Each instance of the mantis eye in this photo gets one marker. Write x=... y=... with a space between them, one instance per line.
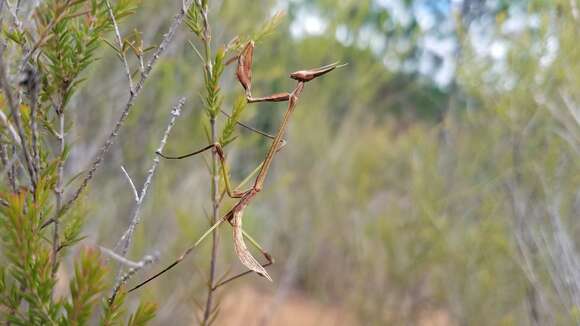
x=310 y=74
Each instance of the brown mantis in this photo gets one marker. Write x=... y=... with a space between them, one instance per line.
x=234 y=216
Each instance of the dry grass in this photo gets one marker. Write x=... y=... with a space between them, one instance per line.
x=254 y=307
x=250 y=306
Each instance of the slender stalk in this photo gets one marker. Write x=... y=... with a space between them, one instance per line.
x=8 y=166
x=59 y=191
x=1 y=10
x=61 y=10
x=17 y=121
x=33 y=89
x=14 y=167
x=214 y=188
x=125 y=242
x=126 y=239
x=13 y=132
x=147 y=260
x=214 y=216
x=120 y=43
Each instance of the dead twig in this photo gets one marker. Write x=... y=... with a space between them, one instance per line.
x=124 y=243
x=120 y=43
x=136 y=266
x=125 y=240
x=17 y=120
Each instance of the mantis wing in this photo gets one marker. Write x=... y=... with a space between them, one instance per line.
x=240 y=246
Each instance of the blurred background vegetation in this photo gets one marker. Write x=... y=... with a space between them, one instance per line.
x=435 y=180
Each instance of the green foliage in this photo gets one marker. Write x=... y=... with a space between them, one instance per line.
x=227 y=135
x=194 y=20
x=69 y=35
x=54 y=50
x=28 y=256
x=268 y=27
x=213 y=98
x=145 y=312
x=15 y=36
x=85 y=288
x=113 y=312
x=72 y=231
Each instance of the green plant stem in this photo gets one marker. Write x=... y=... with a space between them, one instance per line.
x=214 y=189
x=214 y=234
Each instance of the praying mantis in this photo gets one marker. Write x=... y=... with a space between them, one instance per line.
x=235 y=214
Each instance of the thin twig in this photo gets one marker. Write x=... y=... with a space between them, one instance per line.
x=197 y=52
x=14 y=13
x=147 y=260
x=17 y=9
x=2 y=10
x=133 y=189
x=125 y=240
x=214 y=189
x=3 y=44
x=120 y=259
x=17 y=120
x=32 y=84
x=10 y=128
x=120 y=41
x=59 y=189
x=7 y=163
x=44 y=34
x=167 y=39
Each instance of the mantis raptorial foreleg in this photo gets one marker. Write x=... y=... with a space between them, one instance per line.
x=232 y=193
x=218 y=149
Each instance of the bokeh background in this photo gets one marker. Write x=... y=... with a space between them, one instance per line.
x=435 y=180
